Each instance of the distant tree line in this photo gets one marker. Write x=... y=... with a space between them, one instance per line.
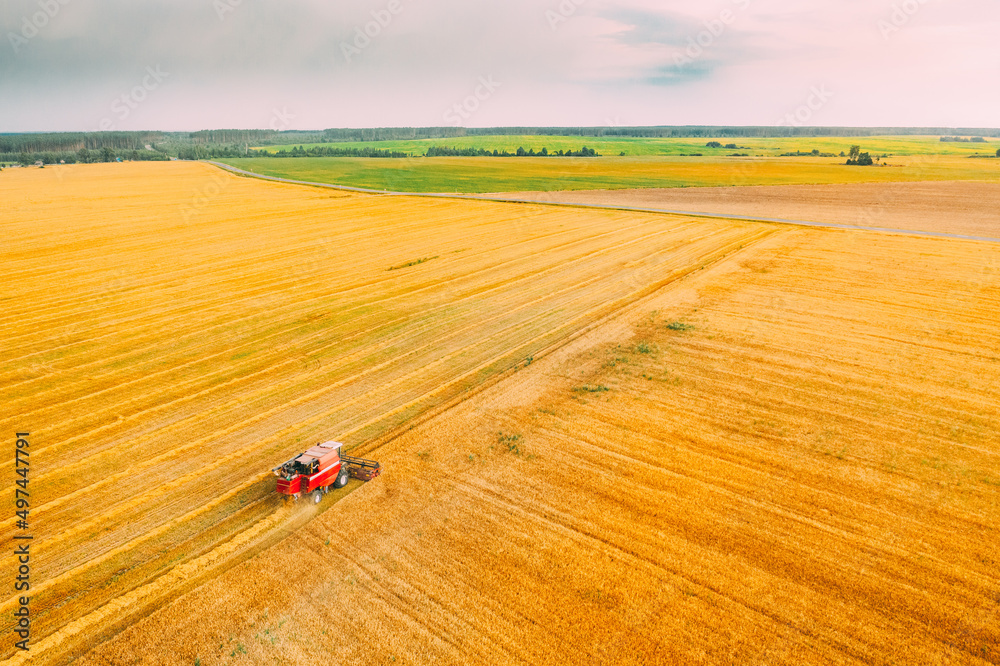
x=385 y=134
x=251 y=137
x=330 y=151
x=63 y=142
x=82 y=156
x=813 y=153
x=172 y=142
x=707 y=132
x=200 y=152
x=57 y=147
x=440 y=151
x=217 y=152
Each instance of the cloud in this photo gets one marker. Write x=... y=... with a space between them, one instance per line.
x=679 y=47
x=635 y=59
x=100 y=40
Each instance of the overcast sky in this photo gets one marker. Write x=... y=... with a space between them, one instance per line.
x=313 y=64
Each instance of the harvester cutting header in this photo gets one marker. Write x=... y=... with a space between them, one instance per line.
x=320 y=468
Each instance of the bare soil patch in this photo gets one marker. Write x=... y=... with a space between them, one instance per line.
x=958 y=207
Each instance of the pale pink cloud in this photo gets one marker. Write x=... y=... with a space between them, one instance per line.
x=555 y=62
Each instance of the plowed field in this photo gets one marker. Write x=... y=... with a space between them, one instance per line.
x=790 y=457
x=171 y=332
x=958 y=207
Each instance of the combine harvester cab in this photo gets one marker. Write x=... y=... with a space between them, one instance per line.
x=319 y=468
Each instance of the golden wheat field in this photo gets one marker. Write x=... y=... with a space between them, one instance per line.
x=171 y=332
x=790 y=457
x=608 y=436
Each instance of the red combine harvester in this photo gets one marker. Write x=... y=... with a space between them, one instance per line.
x=319 y=468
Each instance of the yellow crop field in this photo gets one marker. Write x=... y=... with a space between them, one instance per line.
x=477 y=174
x=790 y=457
x=171 y=332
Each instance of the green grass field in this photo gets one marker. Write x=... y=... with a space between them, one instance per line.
x=487 y=174
x=639 y=147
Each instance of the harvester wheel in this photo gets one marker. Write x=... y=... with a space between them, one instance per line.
x=317 y=496
x=342 y=478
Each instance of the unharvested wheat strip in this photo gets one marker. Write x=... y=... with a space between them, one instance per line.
x=173 y=453
x=202 y=378
x=105 y=359
x=86 y=525
x=615 y=306
x=88 y=273
x=529 y=240
x=211 y=263
x=477 y=324
x=237 y=454
x=577 y=285
x=154 y=230
x=188 y=307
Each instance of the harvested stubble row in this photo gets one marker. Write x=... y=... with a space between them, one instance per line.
x=795 y=460
x=172 y=332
